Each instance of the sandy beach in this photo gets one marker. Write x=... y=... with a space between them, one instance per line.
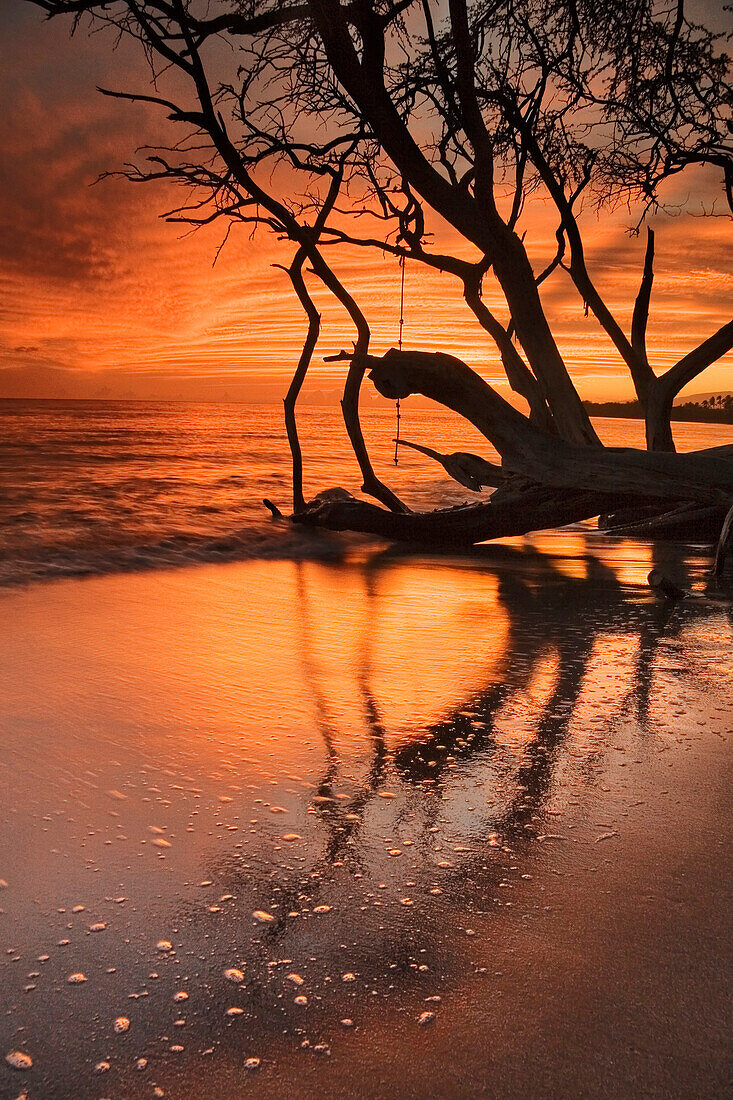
x=388 y=826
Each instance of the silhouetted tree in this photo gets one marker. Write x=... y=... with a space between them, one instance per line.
x=399 y=111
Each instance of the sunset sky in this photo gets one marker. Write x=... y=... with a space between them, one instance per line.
x=102 y=298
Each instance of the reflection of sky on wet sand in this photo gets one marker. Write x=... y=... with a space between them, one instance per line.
x=412 y=744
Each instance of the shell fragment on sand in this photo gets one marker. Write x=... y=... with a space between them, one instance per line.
x=262 y=917
x=18 y=1059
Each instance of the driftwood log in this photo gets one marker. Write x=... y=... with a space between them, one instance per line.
x=545 y=481
x=533 y=508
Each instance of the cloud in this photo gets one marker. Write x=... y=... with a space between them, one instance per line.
x=55 y=223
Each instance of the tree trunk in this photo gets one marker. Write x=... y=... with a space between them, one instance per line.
x=704 y=476
x=658 y=417
x=554 y=482
x=295 y=271
x=687 y=522
x=362 y=77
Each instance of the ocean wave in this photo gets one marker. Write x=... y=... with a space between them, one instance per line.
x=274 y=539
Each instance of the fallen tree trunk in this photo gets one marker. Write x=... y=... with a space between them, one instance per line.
x=688 y=522
x=547 y=482
x=531 y=509
x=704 y=476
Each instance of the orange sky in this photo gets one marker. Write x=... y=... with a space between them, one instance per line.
x=99 y=297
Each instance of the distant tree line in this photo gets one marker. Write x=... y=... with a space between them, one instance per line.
x=716 y=409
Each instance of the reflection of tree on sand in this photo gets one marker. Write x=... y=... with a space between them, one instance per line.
x=342 y=819
x=337 y=895
x=470 y=732
x=564 y=614
x=550 y=614
x=309 y=669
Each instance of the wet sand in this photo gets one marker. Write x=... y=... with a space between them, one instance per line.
x=503 y=782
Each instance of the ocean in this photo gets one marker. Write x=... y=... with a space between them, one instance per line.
x=94 y=487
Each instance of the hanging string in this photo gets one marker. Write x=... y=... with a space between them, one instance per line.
x=402 y=301
x=399 y=345
x=397 y=437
